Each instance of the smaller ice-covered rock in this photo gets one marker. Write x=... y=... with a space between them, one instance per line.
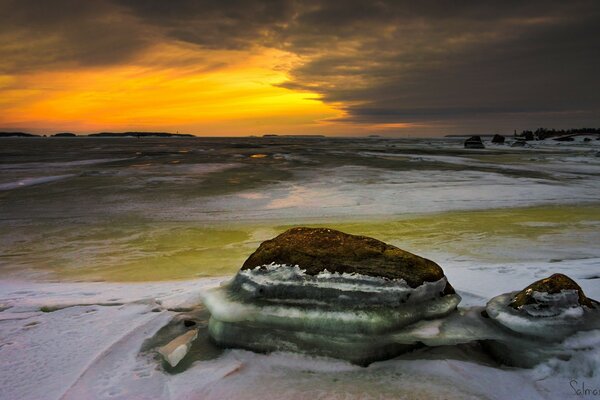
x=551 y=308
x=539 y=318
x=176 y=349
x=553 y=293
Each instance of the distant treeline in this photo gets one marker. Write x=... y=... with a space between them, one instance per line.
x=139 y=134
x=543 y=133
x=17 y=134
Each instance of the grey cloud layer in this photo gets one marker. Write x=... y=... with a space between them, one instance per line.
x=459 y=63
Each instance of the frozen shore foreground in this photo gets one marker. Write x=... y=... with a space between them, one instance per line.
x=90 y=346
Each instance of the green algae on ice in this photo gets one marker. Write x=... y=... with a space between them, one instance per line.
x=141 y=250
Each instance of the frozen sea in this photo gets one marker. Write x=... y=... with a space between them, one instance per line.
x=104 y=241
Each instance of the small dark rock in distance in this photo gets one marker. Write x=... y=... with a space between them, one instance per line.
x=498 y=139
x=474 y=142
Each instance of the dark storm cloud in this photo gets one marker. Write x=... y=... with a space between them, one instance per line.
x=382 y=61
x=230 y=24
x=514 y=61
x=428 y=61
x=47 y=34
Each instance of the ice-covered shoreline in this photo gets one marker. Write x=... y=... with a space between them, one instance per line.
x=90 y=346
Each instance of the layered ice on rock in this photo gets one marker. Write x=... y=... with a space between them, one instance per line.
x=355 y=307
x=540 y=319
x=348 y=316
x=553 y=322
x=283 y=283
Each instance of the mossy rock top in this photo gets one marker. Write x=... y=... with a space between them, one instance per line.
x=551 y=285
x=317 y=249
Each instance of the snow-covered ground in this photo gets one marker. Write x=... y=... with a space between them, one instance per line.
x=89 y=346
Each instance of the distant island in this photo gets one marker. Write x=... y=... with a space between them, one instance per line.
x=538 y=134
x=139 y=134
x=17 y=134
x=270 y=135
x=99 y=134
x=64 y=134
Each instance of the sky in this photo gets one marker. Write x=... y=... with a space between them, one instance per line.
x=346 y=68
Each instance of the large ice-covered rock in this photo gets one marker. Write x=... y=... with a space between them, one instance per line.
x=540 y=318
x=325 y=292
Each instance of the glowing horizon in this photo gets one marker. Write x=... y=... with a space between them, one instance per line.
x=297 y=67
x=237 y=93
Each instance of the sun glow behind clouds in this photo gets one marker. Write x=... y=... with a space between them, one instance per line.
x=170 y=87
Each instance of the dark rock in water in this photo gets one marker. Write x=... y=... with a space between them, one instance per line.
x=474 y=142
x=317 y=249
x=554 y=284
x=587 y=139
x=498 y=139
x=324 y=292
x=518 y=143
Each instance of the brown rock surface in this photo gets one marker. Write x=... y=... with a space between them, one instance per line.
x=553 y=284
x=319 y=249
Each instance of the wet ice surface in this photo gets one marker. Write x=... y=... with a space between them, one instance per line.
x=278 y=283
x=176 y=204
x=136 y=210
x=219 y=180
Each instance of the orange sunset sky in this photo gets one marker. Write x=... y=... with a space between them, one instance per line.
x=298 y=67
